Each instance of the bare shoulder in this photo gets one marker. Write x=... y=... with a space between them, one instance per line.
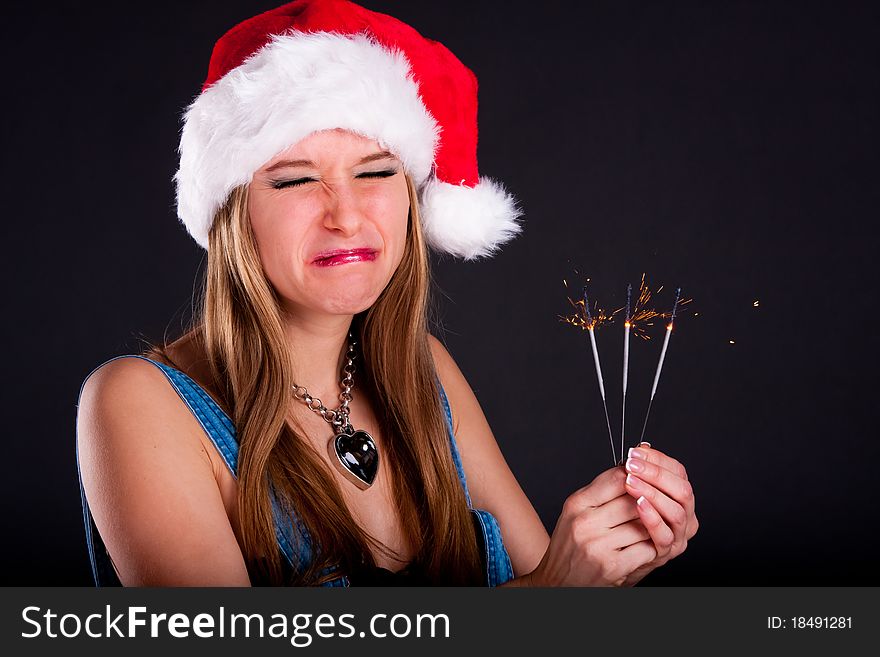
x=120 y=381
x=149 y=481
x=127 y=403
x=491 y=483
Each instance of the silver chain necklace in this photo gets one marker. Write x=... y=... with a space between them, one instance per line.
x=352 y=451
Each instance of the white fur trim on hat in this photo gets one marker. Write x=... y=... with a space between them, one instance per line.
x=299 y=83
x=468 y=222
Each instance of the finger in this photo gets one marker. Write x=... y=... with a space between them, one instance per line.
x=673 y=513
x=636 y=555
x=627 y=534
x=661 y=534
x=617 y=511
x=670 y=483
x=644 y=451
x=686 y=497
x=604 y=488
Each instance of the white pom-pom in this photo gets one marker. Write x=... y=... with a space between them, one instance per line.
x=468 y=222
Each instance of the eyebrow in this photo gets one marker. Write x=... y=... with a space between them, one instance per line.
x=281 y=164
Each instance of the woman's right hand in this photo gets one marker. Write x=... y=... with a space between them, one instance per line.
x=599 y=538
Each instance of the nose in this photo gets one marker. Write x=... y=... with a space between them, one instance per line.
x=344 y=212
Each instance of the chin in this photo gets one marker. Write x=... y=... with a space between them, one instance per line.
x=350 y=301
x=343 y=290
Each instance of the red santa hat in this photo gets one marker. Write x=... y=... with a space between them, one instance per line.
x=313 y=65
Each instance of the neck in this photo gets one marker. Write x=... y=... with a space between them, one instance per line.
x=318 y=347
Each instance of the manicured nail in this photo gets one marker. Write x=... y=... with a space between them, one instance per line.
x=634 y=453
x=633 y=482
x=645 y=443
x=635 y=465
x=641 y=501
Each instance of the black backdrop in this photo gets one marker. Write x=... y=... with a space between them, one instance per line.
x=729 y=148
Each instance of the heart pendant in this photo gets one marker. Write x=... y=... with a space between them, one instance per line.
x=355 y=455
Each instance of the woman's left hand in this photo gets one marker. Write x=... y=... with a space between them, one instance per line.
x=668 y=508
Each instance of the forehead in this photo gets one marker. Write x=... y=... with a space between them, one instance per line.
x=328 y=147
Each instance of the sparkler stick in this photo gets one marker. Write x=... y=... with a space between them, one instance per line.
x=662 y=357
x=626 y=325
x=592 y=325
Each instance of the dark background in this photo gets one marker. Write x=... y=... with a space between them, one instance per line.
x=729 y=148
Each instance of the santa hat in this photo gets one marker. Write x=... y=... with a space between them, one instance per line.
x=315 y=65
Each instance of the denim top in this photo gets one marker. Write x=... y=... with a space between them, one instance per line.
x=220 y=430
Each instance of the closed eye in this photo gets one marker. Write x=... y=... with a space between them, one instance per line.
x=283 y=184
x=378 y=174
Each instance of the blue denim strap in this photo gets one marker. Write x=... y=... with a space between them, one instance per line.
x=498 y=567
x=102 y=568
x=456 y=458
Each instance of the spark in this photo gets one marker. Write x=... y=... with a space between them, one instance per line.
x=641 y=315
x=586 y=319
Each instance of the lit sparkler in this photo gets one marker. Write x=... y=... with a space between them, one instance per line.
x=591 y=326
x=589 y=319
x=662 y=358
x=627 y=326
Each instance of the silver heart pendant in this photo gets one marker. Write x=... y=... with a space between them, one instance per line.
x=355 y=455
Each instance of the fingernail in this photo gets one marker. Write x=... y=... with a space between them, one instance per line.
x=641 y=501
x=645 y=443
x=635 y=453
x=633 y=482
x=635 y=465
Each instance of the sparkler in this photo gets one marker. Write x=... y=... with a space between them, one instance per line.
x=591 y=326
x=662 y=357
x=638 y=316
x=627 y=325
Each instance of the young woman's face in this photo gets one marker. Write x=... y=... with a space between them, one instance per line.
x=329 y=215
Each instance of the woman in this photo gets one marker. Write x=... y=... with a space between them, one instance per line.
x=330 y=145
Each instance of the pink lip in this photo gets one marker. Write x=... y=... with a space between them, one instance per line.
x=344 y=256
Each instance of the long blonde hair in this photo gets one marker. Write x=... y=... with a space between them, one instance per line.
x=239 y=328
